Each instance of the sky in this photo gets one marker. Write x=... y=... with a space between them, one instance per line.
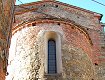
x=86 y=4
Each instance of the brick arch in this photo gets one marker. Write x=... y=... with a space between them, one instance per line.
x=33 y=23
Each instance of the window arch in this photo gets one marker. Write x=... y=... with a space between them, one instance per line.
x=52 y=66
x=52 y=42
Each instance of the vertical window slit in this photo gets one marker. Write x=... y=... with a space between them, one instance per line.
x=52 y=67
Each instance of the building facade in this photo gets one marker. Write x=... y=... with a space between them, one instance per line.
x=52 y=40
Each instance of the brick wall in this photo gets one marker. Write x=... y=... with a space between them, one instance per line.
x=80 y=29
x=6 y=14
x=29 y=41
x=86 y=20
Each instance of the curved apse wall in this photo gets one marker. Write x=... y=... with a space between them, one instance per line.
x=27 y=55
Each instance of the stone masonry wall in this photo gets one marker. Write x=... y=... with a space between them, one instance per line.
x=26 y=56
x=23 y=58
x=100 y=68
x=82 y=58
x=59 y=11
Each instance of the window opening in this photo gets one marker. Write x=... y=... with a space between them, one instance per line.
x=52 y=67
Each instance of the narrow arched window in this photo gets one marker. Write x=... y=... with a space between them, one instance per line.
x=52 y=66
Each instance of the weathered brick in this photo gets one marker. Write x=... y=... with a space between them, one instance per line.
x=82 y=44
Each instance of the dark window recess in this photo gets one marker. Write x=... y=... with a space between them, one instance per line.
x=52 y=68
